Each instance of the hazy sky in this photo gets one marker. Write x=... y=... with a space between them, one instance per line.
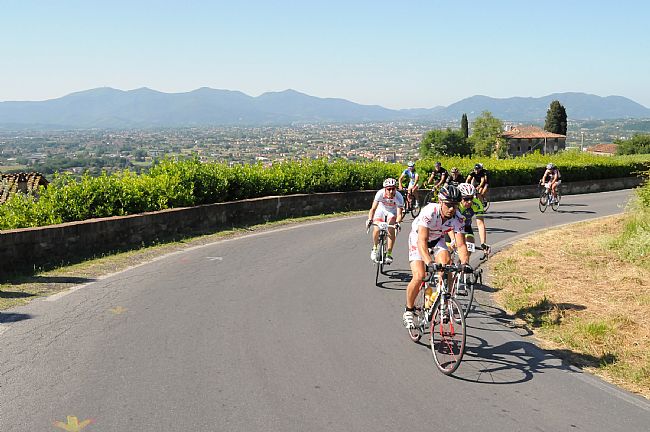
x=398 y=54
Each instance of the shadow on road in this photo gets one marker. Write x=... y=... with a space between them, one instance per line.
x=47 y=280
x=13 y=317
x=397 y=280
x=504 y=217
x=499 y=230
x=574 y=211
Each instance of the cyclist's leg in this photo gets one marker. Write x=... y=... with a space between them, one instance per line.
x=417 y=269
x=391 y=232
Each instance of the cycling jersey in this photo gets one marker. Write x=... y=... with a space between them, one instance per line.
x=550 y=174
x=477 y=209
x=476 y=177
x=431 y=217
x=411 y=175
x=455 y=180
x=387 y=207
x=437 y=175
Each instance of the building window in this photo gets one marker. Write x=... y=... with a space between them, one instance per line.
x=530 y=140
x=556 y=140
x=528 y=148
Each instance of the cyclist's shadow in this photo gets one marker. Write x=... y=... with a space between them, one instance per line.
x=396 y=280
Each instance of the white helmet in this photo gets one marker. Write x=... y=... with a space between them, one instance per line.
x=466 y=189
x=550 y=166
x=410 y=164
x=390 y=182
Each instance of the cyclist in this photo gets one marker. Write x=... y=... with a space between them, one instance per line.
x=439 y=175
x=428 y=230
x=470 y=206
x=413 y=177
x=455 y=177
x=387 y=206
x=480 y=179
x=551 y=178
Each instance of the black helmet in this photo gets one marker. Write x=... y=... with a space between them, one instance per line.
x=437 y=164
x=478 y=166
x=449 y=194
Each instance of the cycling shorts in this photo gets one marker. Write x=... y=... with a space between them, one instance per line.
x=414 y=253
x=382 y=214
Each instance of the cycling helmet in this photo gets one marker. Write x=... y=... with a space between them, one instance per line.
x=466 y=189
x=390 y=182
x=550 y=166
x=411 y=164
x=454 y=170
x=438 y=164
x=449 y=194
x=478 y=166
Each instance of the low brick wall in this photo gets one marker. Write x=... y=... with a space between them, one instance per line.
x=56 y=244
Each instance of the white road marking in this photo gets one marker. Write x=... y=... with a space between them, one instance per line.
x=215 y=258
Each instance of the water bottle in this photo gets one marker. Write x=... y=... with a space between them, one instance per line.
x=428 y=297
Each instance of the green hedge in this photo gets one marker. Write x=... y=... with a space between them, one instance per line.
x=181 y=183
x=574 y=166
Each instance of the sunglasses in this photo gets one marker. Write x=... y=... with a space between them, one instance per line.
x=450 y=204
x=390 y=189
x=468 y=199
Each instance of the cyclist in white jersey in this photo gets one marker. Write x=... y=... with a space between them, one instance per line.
x=387 y=206
x=428 y=231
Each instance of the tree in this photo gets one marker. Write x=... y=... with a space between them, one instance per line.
x=486 y=135
x=556 y=118
x=464 y=126
x=444 y=143
x=638 y=144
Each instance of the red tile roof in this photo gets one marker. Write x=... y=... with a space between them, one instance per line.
x=603 y=148
x=529 y=132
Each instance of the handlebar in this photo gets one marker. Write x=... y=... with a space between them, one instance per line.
x=379 y=226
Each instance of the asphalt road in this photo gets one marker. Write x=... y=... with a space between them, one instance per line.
x=286 y=331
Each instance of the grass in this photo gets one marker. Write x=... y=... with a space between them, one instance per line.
x=21 y=289
x=584 y=294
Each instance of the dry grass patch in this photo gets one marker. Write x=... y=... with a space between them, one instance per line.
x=579 y=297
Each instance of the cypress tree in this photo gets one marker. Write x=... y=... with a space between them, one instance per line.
x=556 y=118
x=464 y=126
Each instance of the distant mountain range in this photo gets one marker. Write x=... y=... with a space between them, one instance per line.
x=146 y=108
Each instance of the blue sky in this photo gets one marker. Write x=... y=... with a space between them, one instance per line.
x=398 y=54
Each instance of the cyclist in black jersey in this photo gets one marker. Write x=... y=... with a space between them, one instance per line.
x=455 y=177
x=480 y=179
x=439 y=175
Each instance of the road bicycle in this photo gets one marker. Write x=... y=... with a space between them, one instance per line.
x=410 y=205
x=466 y=282
x=382 y=246
x=436 y=308
x=431 y=196
x=546 y=198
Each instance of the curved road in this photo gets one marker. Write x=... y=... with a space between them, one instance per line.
x=286 y=331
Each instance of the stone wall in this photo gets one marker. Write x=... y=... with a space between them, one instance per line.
x=31 y=248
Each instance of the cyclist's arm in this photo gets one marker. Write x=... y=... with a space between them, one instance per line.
x=461 y=246
x=423 y=248
x=416 y=179
x=469 y=179
x=373 y=209
x=541 y=181
x=482 y=232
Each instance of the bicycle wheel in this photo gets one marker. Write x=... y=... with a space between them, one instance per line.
x=556 y=203
x=486 y=203
x=464 y=291
x=448 y=335
x=415 y=209
x=428 y=198
x=543 y=201
x=418 y=317
x=380 y=260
